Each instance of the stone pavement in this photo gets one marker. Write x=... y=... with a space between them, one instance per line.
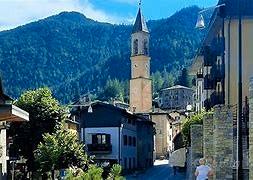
x=161 y=170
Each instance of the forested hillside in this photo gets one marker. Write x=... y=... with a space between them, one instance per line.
x=72 y=54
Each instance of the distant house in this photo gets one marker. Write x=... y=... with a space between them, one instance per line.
x=163 y=136
x=176 y=97
x=168 y=125
x=8 y=113
x=115 y=135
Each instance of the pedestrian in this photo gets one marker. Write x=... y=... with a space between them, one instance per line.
x=203 y=171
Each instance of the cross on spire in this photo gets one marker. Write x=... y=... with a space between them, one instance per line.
x=140 y=3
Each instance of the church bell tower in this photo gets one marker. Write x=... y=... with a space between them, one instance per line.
x=140 y=83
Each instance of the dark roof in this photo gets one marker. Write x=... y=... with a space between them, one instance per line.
x=126 y=112
x=232 y=7
x=140 y=23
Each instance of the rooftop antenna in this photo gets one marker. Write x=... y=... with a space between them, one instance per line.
x=139 y=3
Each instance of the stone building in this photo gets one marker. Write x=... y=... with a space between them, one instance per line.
x=176 y=97
x=168 y=131
x=140 y=83
x=163 y=137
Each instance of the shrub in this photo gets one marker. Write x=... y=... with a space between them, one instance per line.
x=115 y=173
x=186 y=127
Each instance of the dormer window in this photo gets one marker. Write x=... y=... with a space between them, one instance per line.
x=135 y=48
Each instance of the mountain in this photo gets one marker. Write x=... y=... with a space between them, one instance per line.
x=72 y=54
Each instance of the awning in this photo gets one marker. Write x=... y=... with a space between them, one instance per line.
x=9 y=112
x=178 y=158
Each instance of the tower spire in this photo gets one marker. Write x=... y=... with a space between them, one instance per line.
x=140 y=23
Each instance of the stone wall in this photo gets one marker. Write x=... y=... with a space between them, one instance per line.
x=251 y=129
x=208 y=129
x=208 y=140
x=196 y=147
x=214 y=141
x=223 y=143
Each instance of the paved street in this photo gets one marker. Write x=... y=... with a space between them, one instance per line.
x=161 y=171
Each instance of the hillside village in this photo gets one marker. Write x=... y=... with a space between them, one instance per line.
x=206 y=116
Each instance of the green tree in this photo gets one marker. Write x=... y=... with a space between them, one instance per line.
x=168 y=79
x=113 y=90
x=44 y=113
x=184 y=79
x=157 y=81
x=60 y=150
x=194 y=119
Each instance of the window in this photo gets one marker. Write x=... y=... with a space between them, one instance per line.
x=134 y=122
x=101 y=139
x=130 y=141
x=130 y=164
x=134 y=163
x=125 y=140
x=145 y=47
x=125 y=163
x=135 y=46
x=134 y=141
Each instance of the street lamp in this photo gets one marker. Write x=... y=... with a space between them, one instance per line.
x=201 y=22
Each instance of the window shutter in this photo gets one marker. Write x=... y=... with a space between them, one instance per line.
x=108 y=138
x=94 y=139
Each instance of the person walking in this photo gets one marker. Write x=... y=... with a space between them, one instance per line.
x=203 y=171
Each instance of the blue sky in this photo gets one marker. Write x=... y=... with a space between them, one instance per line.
x=14 y=13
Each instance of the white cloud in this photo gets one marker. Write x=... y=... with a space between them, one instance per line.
x=18 y=12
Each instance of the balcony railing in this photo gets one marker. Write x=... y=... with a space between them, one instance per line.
x=100 y=148
x=208 y=82
x=209 y=56
x=219 y=46
x=217 y=98
x=217 y=73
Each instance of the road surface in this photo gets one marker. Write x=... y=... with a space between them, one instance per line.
x=161 y=170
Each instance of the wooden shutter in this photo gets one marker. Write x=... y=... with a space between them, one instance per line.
x=108 y=138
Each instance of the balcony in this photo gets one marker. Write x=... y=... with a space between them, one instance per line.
x=209 y=56
x=199 y=75
x=219 y=46
x=99 y=148
x=217 y=73
x=208 y=82
x=217 y=98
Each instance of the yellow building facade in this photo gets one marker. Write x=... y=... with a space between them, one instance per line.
x=231 y=58
x=217 y=61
